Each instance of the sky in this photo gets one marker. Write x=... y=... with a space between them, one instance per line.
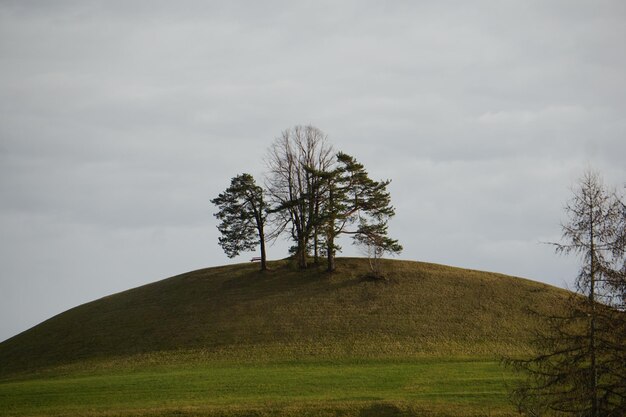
x=121 y=120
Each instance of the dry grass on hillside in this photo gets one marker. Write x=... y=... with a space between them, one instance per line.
x=237 y=313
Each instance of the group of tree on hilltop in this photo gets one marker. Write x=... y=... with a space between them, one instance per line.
x=313 y=195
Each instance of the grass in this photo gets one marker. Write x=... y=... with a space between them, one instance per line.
x=438 y=387
x=232 y=341
x=235 y=312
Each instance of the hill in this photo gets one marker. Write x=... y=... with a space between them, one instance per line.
x=237 y=313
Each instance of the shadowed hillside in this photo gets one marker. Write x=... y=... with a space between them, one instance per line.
x=235 y=312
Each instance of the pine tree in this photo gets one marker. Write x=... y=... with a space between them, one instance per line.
x=356 y=205
x=242 y=212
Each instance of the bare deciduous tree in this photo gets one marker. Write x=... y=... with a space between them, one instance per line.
x=294 y=188
x=374 y=242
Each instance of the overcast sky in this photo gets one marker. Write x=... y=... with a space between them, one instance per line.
x=119 y=121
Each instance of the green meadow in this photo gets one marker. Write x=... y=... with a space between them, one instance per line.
x=443 y=387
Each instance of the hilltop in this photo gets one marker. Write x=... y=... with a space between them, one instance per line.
x=238 y=313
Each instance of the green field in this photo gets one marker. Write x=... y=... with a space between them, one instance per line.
x=441 y=387
x=231 y=341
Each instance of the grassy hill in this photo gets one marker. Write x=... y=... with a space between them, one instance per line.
x=236 y=313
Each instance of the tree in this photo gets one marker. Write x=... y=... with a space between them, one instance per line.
x=375 y=242
x=562 y=380
x=595 y=232
x=352 y=199
x=581 y=366
x=617 y=271
x=294 y=189
x=242 y=212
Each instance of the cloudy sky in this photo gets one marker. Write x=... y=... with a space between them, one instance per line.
x=120 y=120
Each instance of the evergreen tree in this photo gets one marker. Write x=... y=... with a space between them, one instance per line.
x=355 y=204
x=242 y=212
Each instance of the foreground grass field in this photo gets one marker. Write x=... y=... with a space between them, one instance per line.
x=430 y=387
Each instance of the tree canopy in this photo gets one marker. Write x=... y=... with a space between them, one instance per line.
x=242 y=214
x=314 y=195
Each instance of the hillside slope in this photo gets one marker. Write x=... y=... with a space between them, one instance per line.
x=236 y=312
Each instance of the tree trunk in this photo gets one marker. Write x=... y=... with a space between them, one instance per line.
x=330 y=238
x=263 y=253
x=315 y=246
x=592 y=330
x=301 y=253
x=331 y=253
